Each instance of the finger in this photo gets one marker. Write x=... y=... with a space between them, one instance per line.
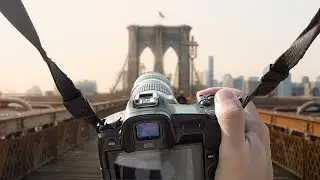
x=252 y=117
x=208 y=91
x=230 y=116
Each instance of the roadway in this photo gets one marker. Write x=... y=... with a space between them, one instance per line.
x=82 y=163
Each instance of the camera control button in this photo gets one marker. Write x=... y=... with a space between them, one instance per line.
x=205 y=102
x=211 y=156
x=212 y=172
x=115 y=124
x=111 y=143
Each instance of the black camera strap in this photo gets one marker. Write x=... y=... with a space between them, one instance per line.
x=17 y=15
x=73 y=99
x=279 y=71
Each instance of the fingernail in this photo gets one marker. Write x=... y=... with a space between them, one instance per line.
x=225 y=95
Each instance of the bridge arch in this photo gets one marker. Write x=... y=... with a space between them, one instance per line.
x=170 y=63
x=159 y=39
x=146 y=62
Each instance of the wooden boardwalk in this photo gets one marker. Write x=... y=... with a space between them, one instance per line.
x=82 y=163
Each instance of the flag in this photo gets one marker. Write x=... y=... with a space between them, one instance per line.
x=161 y=15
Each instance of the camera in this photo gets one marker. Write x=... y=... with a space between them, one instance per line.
x=155 y=137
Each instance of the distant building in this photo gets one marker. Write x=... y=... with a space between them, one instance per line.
x=252 y=83
x=245 y=87
x=297 y=89
x=215 y=83
x=227 y=81
x=305 y=79
x=285 y=87
x=307 y=89
x=316 y=87
x=315 y=91
x=210 y=72
x=238 y=83
x=204 y=78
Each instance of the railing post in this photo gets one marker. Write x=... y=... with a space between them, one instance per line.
x=305 y=159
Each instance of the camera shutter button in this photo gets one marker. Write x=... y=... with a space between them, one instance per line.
x=115 y=123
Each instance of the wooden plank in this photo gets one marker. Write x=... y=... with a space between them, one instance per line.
x=82 y=163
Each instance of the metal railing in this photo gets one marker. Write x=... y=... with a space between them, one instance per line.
x=32 y=139
x=295 y=143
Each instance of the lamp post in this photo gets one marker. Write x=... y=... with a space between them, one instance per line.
x=193 y=46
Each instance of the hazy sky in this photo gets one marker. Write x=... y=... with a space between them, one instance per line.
x=89 y=39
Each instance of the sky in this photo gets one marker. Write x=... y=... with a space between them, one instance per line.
x=89 y=39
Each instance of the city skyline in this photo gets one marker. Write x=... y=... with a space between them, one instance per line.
x=304 y=87
x=242 y=37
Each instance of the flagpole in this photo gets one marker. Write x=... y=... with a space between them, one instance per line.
x=161 y=17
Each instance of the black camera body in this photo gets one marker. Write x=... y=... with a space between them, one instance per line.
x=154 y=123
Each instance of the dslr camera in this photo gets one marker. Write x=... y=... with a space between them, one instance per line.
x=157 y=138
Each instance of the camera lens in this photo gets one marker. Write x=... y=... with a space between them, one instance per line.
x=151 y=75
x=152 y=81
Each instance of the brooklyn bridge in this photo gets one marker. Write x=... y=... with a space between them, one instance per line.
x=40 y=139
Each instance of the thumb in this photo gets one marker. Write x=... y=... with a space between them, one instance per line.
x=230 y=116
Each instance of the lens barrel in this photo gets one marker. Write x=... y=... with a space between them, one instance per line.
x=152 y=81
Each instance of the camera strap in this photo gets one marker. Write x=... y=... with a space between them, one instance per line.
x=72 y=98
x=275 y=73
x=17 y=15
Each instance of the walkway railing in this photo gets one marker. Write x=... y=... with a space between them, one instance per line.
x=31 y=140
x=295 y=143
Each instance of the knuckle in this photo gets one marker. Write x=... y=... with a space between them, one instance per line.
x=232 y=110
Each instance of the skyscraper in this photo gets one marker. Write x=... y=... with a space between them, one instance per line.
x=252 y=83
x=203 y=76
x=227 y=81
x=238 y=83
x=285 y=87
x=297 y=89
x=210 y=72
x=305 y=79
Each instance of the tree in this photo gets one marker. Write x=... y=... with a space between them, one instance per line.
x=49 y=93
x=87 y=86
x=34 y=91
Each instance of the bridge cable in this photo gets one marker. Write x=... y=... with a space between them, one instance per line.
x=121 y=74
x=73 y=100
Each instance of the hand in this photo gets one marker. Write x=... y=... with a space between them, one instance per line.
x=244 y=152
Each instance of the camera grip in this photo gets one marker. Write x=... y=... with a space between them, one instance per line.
x=212 y=135
x=212 y=141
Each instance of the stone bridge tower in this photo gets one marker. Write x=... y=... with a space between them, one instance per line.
x=159 y=38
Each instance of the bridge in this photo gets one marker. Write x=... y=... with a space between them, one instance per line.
x=42 y=141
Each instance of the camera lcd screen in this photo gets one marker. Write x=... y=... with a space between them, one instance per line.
x=183 y=162
x=147 y=131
